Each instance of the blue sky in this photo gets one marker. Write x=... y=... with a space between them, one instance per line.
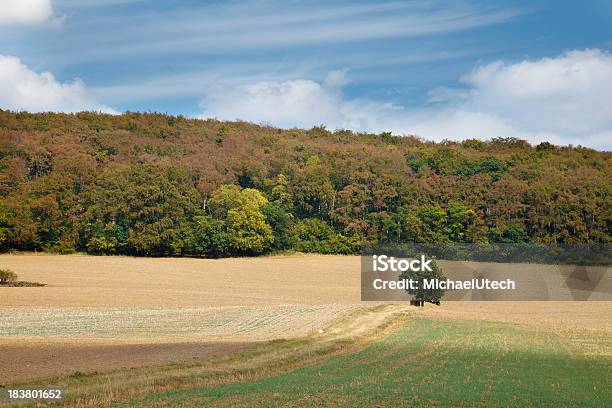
x=439 y=69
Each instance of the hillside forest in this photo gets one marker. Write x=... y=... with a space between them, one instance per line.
x=157 y=185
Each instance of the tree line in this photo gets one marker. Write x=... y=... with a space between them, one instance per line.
x=157 y=185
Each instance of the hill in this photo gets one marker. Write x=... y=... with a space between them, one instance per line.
x=152 y=184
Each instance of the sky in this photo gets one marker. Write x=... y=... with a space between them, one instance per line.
x=539 y=71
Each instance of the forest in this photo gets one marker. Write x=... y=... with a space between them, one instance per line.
x=151 y=184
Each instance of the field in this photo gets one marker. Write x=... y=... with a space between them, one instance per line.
x=430 y=362
x=285 y=330
x=99 y=313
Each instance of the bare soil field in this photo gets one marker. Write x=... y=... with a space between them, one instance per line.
x=109 y=281
x=30 y=360
x=99 y=313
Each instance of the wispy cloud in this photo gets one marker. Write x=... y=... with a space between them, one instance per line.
x=247 y=26
x=195 y=83
x=80 y=4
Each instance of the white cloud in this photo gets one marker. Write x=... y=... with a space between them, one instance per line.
x=570 y=94
x=24 y=89
x=25 y=11
x=563 y=100
x=294 y=103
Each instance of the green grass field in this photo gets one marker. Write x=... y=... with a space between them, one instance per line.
x=433 y=362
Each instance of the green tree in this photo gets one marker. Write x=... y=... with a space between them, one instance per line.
x=312 y=189
x=281 y=194
x=487 y=165
x=511 y=234
x=231 y=196
x=434 y=221
x=403 y=225
x=419 y=276
x=4 y=226
x=281 y=222
x=315 y=235
x=459 y=218
x=245 y=222
x=211 y=237
x=151 y=204
x=108 y=239
x=248 y=229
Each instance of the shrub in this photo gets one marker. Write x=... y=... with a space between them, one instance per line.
x=6 y=275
